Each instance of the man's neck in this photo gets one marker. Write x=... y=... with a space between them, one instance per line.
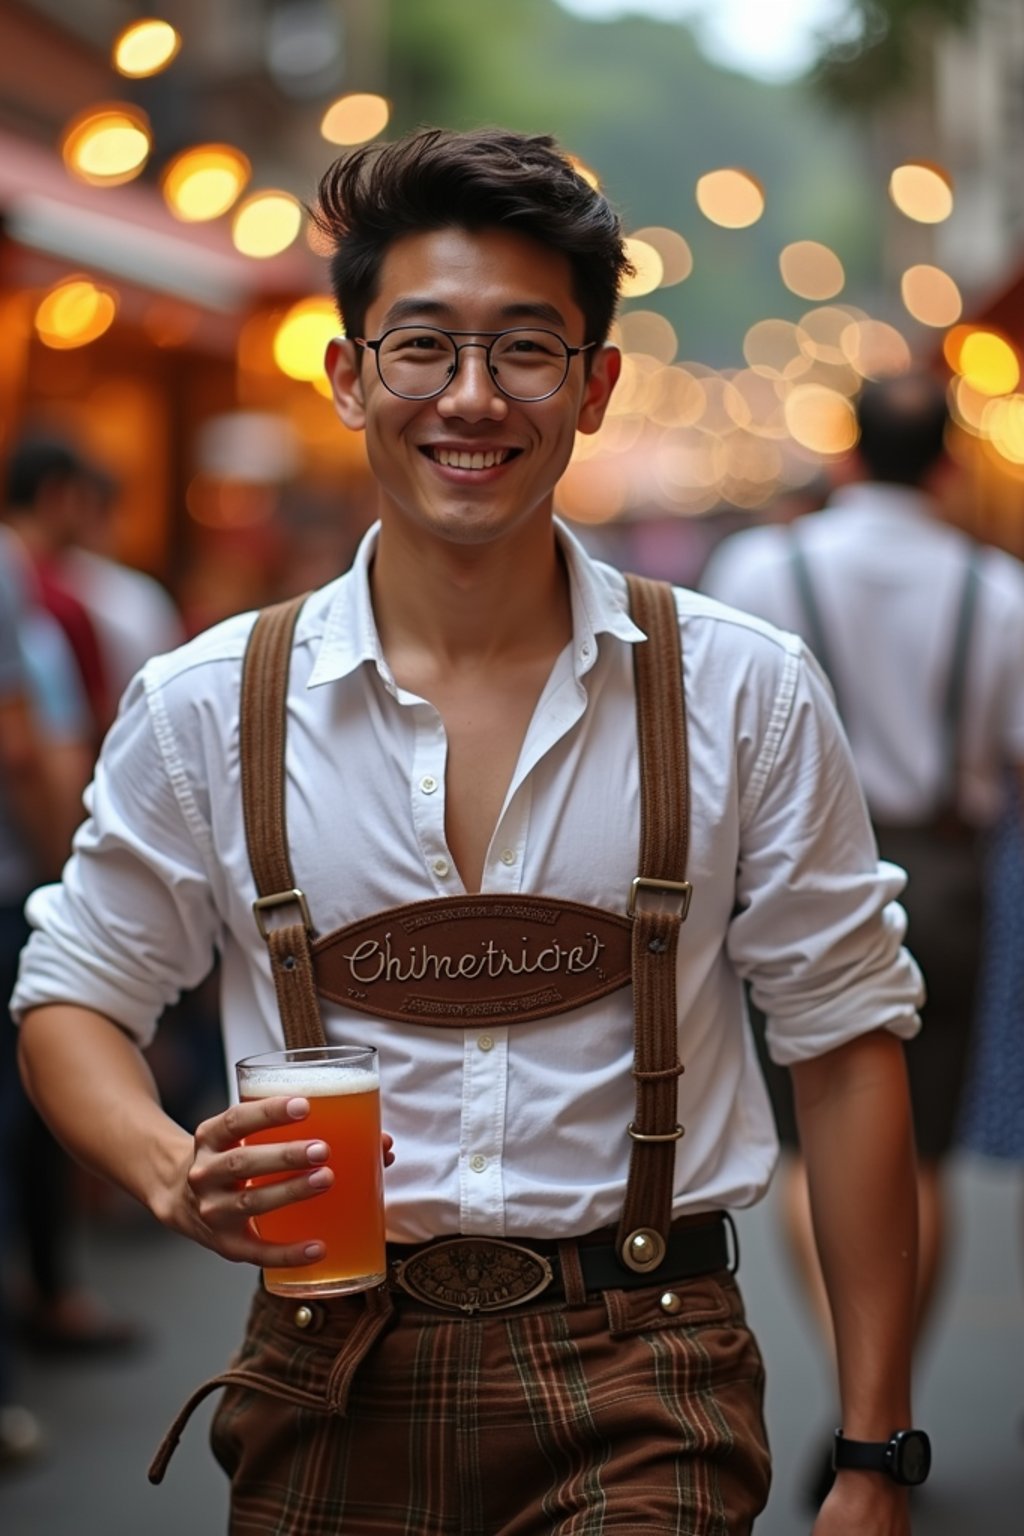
x=470 y=607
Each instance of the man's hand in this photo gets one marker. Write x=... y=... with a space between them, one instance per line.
x=864 y=1504
x=217 y=1199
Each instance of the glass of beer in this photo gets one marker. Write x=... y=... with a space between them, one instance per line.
x=343 y=1090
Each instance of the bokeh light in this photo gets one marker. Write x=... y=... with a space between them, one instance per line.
x=643 y=330
x=74 y=313
x=107 y=145
x=730 y=197
x=1002 y=423
x=204 y=181
x=931 y=295
x=922 y=191
x=875 y=349
x=145 y=48
x=770 y=345
x=821 y=419
x=675 y=253
x=266 y=223
x=811 y=270
x=302 y=337
x=355 y=118
x=989 y=363
x=649 y=269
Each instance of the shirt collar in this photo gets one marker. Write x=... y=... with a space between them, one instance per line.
x=875 y=499
x=599 y=606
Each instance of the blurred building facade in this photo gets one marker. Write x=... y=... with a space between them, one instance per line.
x=152 y=339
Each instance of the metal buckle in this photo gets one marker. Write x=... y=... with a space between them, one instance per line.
x=264 y=904
x=681 y=888
x=636 y=1135
x=474 y=1274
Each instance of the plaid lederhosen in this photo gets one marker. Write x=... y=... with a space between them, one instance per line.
x=635 y=1408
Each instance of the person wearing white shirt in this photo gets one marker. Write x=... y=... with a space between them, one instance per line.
x=921 y=632
x=461 y=721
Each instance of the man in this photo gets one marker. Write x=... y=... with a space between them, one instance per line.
x=461 y=722
x=133 y=616
x=922 y=634
x=49 y=488
x=27 y=843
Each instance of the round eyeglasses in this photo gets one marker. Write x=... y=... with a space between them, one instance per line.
x=417 y=362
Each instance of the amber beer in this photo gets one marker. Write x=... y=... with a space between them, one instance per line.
x=343 y=1089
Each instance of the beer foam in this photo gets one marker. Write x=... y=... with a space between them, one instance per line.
x=310 y=1082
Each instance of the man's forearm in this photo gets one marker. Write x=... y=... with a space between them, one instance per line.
x=91 y=1084
x=853 y=1113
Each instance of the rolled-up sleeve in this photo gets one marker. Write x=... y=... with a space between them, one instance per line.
x=817 y=931
x=133 y=922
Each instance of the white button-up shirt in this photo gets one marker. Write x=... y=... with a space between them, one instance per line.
x=522 y=1129
x=888 y=578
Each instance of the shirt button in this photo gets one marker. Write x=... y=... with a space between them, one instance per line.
x=584 y=651
x=508 y=856
x=478 y=1162
x=441 y=867
x=486 y=1042
x=428 y=784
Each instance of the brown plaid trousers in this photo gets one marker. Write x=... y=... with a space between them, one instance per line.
x=384 y=1418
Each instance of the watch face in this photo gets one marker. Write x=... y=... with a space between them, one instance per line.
x=913 y=1456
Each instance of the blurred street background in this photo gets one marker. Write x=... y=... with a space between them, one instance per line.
x=816 y=192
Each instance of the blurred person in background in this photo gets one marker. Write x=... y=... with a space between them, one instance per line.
x=27 y=821
x=47 y=484
x=52 y=1309
x=921 y=633
x=461 y=722
x=132 y=614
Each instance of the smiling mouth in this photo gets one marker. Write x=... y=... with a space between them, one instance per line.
x=463 y=458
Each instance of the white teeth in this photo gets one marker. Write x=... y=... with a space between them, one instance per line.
x=455 y=458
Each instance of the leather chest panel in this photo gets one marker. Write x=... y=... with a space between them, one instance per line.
x=466 y=960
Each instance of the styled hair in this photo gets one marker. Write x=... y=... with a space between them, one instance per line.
x=440 y=179
x=902 y=424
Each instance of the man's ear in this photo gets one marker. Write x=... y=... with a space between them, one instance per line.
x=601 y=380
x=342 y=365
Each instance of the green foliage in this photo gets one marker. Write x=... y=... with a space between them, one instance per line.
x=885 y=56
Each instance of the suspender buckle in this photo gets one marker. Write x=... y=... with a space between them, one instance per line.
x=264 y=904
x=681 y=889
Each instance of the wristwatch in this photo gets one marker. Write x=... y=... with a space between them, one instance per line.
x=905 y=1457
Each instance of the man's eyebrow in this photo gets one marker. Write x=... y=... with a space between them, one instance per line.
x=404 y=310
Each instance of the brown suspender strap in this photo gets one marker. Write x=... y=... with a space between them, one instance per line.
x=281 y=910
x=659 y=903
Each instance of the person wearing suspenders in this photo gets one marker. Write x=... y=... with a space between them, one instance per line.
x=920 y=631
x=525 y=825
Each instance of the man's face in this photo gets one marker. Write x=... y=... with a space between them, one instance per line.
x=486 y=281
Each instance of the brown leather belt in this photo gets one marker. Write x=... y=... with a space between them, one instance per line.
x=490 y=1274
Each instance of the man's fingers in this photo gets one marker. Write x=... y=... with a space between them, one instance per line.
x=229 y=1128
x=253 y=1162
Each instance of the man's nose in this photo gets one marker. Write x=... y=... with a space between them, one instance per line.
x=472 y=393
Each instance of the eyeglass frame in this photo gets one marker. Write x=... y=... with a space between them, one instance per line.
x=487 y=346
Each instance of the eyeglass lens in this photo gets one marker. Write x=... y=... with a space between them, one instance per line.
x=418 y=361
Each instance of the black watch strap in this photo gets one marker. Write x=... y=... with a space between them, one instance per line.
x=905 y=1456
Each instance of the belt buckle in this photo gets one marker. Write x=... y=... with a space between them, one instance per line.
x=471 y=1274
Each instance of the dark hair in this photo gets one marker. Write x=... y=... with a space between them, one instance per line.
x=902 y=424
x=437 y=179
x=37 y=460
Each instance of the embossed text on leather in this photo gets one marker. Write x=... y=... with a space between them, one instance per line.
x=466 y=960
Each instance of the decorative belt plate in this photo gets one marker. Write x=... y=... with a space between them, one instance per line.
x=474 y=1274
x=470 y=960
